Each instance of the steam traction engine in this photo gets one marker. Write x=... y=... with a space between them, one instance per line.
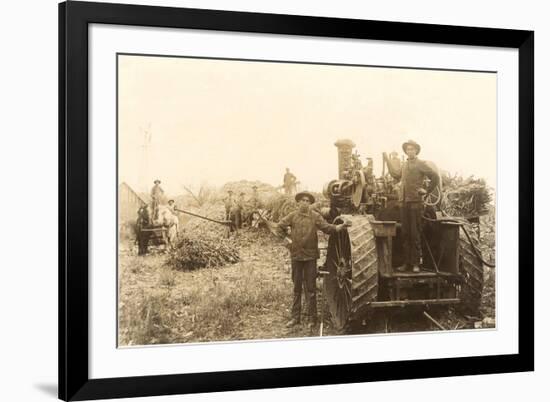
x=361 y=260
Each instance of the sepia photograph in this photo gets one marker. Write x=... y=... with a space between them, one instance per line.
x=262 y=200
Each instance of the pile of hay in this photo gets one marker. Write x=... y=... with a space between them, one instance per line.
x=193 y=252
x=281 y=205
x=465 y=197
x=245 y=186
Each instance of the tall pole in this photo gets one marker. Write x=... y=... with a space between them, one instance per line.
x=144 y=173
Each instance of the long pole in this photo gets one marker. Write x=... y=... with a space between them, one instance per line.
x=202 y=217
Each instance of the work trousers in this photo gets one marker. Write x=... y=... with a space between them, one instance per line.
x=304 y=274
x=155 y=207
x=411 y=220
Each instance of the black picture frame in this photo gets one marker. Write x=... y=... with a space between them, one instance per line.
x=74 y=18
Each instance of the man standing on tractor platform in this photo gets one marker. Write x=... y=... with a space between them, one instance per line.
x=289 y=182
x=157 y=194
x=412 y=174
x=304 y=253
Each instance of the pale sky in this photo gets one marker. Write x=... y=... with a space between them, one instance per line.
x=216 y=121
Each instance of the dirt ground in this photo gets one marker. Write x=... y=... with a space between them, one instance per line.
x=247 y=300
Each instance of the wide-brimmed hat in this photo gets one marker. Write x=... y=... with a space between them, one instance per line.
x=305 y=194
x=413 y=143
x=157 y=181
x=169 y=201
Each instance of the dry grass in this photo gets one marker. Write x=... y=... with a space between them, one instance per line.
x=220 y=313
x=161 y=305
x=247 y=300
x=146 y=321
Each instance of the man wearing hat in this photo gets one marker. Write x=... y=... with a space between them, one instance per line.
x=412 y=174
x=255 y=205
x=228 y=202
x=289 y=182
x=239 y=211
x=157 y=193
x=304 y=252
x=172 y=206
x=255 y=198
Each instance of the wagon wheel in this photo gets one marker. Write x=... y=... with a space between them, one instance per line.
x=352 y=263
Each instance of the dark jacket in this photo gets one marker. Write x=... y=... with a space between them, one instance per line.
x=412 y=174
x=304 y=227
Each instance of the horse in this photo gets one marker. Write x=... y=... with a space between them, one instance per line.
x=169 y=220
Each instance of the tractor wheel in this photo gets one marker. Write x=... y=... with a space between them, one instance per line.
x=471 y=270
x=352 y=263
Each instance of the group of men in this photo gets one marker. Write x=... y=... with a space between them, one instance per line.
x=304 y=223
x=239 y=210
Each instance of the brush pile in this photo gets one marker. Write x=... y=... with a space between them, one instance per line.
x=465 y=197
x=193 y=252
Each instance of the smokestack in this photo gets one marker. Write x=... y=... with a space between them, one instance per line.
x=344 y=156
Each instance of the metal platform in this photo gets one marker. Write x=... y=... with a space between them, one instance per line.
x=421 y=274
x=403 y=303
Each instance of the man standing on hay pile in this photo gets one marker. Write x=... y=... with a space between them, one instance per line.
x=289 y=182
x=304 y=253
x=412 y=174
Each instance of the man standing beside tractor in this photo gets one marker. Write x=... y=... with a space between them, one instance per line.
x=304 y=253
x=412 y=174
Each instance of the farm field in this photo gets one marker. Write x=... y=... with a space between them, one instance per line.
x=250 y=299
